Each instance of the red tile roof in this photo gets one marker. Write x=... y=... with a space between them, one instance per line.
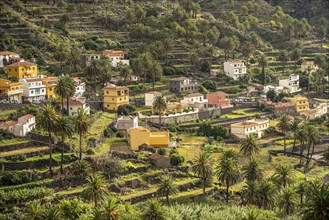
x=20 y=64
x=8 y=123
x=219 y=93
x=5 y=53
x=76 y=101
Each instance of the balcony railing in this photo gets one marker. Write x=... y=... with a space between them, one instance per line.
x=14 y=92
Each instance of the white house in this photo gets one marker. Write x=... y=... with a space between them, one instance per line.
x=254 y=126
x=75 y=104
x=80 y=87
x=21 y=127
x=235 y=69
x=126 y=122
x=195 y=100
x=150 y=97
x=292 y=83
x=116 y=57
x=33 y=89
x=9 y=56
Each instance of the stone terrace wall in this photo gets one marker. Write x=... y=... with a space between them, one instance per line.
x=173 y=118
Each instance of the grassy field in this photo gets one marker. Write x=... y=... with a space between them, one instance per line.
x=240 y=113
x=23 y=151
x=12 y=141
x=4 y=115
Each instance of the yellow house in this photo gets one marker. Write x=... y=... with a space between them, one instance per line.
x=301 y=103
x=22 y=70
x=140 y=136
x=12 y=91
x=50 y=83
x=114 y=96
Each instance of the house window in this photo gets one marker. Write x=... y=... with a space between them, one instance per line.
x=112 y=99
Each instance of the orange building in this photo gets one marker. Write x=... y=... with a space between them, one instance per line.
x=219 y=98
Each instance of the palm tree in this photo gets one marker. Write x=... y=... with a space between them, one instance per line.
x=287 y=201
x=313 y=137
x=263 y=62
x=267 y=193
x=249 y=146
x=111 y=208
x=61 y=90
x=34 y=211
x=167 y=187
x=64 y=129
x=82 y=168
x=252 y=170
x=284 y=126
x=154 y=211
x=125 y=73
x=301 y=137
x=156 y=71
x=250 y=192
x=47 y=121
x=82 y=124
x=70 y=91
x=228 y=173
x=65 y=88
x=202 y=167
x=317 y=201
x=95 y=189
x=285 y=174
x=300 y=190
x=294 y=128
x=159 y=106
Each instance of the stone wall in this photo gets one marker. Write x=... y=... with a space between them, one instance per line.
x=11 y=147
x=172 y=118
x=212 y=113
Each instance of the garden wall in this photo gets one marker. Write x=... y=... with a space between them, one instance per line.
x=212 y=113
x=172 y=118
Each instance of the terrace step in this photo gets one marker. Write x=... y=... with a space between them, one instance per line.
x=28 y=152
x=141 y=195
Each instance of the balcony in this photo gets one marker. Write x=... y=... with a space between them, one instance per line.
x=15 y=92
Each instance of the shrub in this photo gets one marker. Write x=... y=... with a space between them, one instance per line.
x=120 y=134
x=90 y=151
x=161 y=151
x=176 y=160
x=126 y=109
x=16 y=177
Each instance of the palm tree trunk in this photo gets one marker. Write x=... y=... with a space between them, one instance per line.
x=227 y=190
x=67 y=106
x=301 y=153
x=50 y=154
x=160 y=121
x=167 y=199
x=308 y=152
x=313 y=146
x=62 y=156
x=293 y=146
x=80 y=147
